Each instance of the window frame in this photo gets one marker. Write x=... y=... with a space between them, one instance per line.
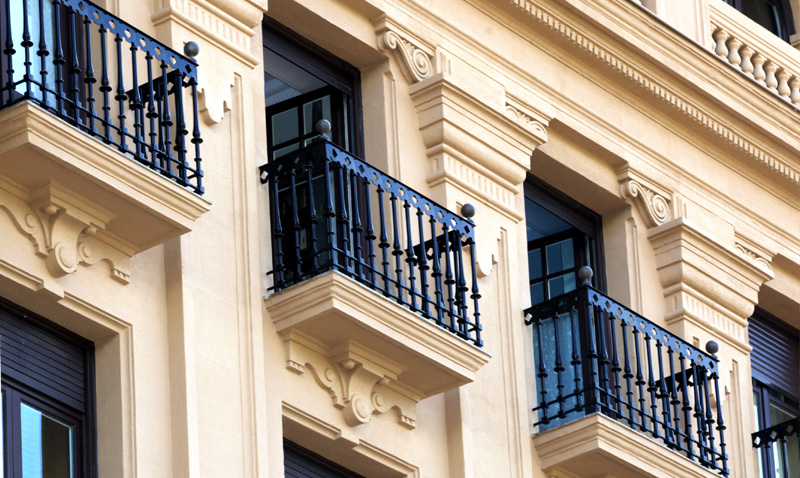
x=16 y=391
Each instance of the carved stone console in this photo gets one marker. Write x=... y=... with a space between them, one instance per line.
x=368 y=353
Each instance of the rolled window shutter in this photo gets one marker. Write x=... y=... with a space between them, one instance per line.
x=776 y=353
x=41 y=359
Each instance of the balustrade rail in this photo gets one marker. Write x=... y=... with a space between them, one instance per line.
x=332 y=211
x=106 y=78
x=593 y=354
x=782 y=444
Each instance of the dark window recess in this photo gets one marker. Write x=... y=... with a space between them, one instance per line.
x=302 y=85
x=562 y=237
x=774 y=15
x=301 y=463
x=776 y=388
x=48 y=411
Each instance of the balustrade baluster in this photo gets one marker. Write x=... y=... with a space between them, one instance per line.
x=461 y=291
x=576 y=358
x=137 y=108
x=627 y=373
x=783 y=83
x=733 y=52
x=698 y=412
x=794 y=97
x=42 y=53
x=410 y=258
x=105 y=86
x=664 y=396
x=770 y=80
x=58 y=58
x=422 y=259
x=604 y=361
x=758 y=68
x=330 y=216
x=384 y=245
x=651 y=387
x=709 y=430
x=475 y=296
x=370 y=235
x=545 y=419
x=720 y=38
x=615 y=365
x=74 y=68
x=88 y=79
x=687 y=407
x=312 y=214
x=122 y=96
x=448 y=277
x=357 y=229
x=747 y=64
x=151 y=114
x=559 y=368
x=436 y=274
x=397 y=251
x=673 y=396
x=27 y=44
x=343 y=218
x=180 y=129
x=166 y=121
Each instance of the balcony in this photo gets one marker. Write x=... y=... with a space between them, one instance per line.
x=99 y=123
x=611 y=383
x=369 y=274
x=779 y=449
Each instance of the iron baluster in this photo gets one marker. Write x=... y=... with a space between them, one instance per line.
x=58 y=59
x=296 y=228
x=27 y=44
x=42 y=53
x=542 y=374
x=448 y=278
x=592 y=355
x=151 y=111
x=423 y=266
x=436 y=274
x=461 y=290
x=277 y=235
x=397 y=250
x=720 y=423
x=698 y=412
x=615 y=365
x=559 y=367
x=180 y=130
x=651 y=386
x=166 y=120
x=196 y=141
x=604 y=361
x=330 y=215
x=105 y=87
x=674 y=400
x=312 y=214
x=344 y=219
x=357 y=228
x=576 y=358
x=627 y=373
x=664 y=396
x=137 y=108
x=121 y=97
x=687 y=407
x=74 y=68
x=639 y=378
x=384 y=245
x=410 y=259
x=9 y=51
x=476 y=324
x=370 y=235
x=89 y=78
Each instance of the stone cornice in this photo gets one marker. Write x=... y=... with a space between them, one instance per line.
x=673 y=48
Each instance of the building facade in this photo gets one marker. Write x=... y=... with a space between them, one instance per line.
x=391 y=238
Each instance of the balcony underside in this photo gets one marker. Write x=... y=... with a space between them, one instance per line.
x=336 y=326
x=143 y=209
x=597 y=446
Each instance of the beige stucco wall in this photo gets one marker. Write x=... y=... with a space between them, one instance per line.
x=586 y=95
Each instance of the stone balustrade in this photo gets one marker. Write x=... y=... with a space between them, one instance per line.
x=767 y=59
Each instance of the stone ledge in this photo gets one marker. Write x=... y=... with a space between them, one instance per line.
x=598 y=446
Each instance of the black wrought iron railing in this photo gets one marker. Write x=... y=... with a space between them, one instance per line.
x=106 y=78
x=782 y=446
x=333 y=212
x=593 y=354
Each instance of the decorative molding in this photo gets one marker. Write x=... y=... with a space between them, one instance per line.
x=755 y=254
x=653 y=205
x=360 y=381
x=524 y=115
x=657 y=88
x=416 y=58
x=65 y=230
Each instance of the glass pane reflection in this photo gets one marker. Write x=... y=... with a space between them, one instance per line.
x=46 y=445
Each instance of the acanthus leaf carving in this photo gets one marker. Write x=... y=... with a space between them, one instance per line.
x=417 y=63
x=359 y=380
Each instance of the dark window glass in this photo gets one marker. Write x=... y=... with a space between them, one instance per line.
x=301 y=463
x=774 y=15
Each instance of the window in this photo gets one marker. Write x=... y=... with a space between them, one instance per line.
x=302 y=85
x=774 y=15
x=301 y=463
x=776 y=388
x=562 y=236
x=47 y=399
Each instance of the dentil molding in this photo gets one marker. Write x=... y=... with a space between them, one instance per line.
x=65 y=230
x=360 y=381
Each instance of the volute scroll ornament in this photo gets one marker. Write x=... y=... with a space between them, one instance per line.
x=417 y=63
x=653 y=205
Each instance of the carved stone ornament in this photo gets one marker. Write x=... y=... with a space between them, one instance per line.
x=360 y=381
x=417 y=63
x=527 y=120
x=653 y=205
x=65 y=230
x=758 y=259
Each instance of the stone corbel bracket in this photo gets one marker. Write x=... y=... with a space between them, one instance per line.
x=652 y=199
x=416 y=57
x=360 y=381
x=65 y=230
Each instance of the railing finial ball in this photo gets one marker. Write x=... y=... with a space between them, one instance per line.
x=468 y=210
x=191 y=49
x=585 y=274
x=323 y=127
x=712 y=347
